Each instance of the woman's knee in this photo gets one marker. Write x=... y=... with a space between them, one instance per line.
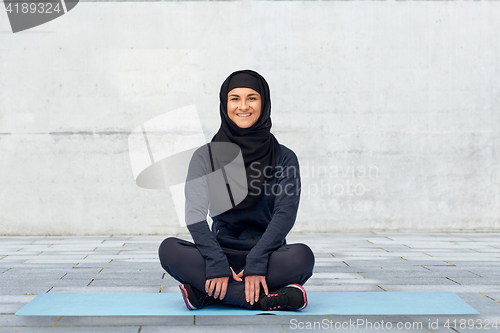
x=303 y=255
x=292 y=263
x=167 y=250
x=296 y=256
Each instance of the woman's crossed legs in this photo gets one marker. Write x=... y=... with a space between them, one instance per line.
x=291 y=263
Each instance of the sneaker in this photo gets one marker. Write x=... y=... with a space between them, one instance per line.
x=194 y=298
x=289 y=298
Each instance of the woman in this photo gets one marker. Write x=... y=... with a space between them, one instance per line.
x=244 y=260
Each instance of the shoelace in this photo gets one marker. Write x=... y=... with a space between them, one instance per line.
x=273 y=301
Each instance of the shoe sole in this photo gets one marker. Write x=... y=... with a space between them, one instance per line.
x=296 y=285
x=185 y=297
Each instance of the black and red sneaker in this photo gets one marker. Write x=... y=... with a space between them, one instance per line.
x=289 y=298
x=194 y=298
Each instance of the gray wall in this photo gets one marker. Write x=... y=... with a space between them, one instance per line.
x=392 y=107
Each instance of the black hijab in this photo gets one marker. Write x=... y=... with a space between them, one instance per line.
x=257 y=144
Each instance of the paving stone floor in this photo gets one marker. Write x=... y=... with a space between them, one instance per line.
x=465 y=263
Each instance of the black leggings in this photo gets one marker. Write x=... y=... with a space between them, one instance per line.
x=291 y=263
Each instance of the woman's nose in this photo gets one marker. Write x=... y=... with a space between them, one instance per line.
x=243 y=105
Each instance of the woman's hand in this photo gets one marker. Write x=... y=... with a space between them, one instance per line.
x=217 y=286
x=252 y=287
x=237 y=277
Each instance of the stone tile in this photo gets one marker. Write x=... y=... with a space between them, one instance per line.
x=33 y=283
x=215 y=328
x=71 y=283
x=89 y=265
x=117 y=329
x=81 y=274
x=419 y=281
x=475 y=280
x=451 y=287
x=16 y=298
x=401 y=274
x=12 y=320
x=23 y=290
x=493 y=294
x=94 y=289
x=472 y=264
x=113 y=272
x=126 y=321
x=261 y=320
x=126 y=283
x=341 y=287
x=39 y=272
x=10 y=308
x=170 y=288
x=35 y=261
x=336 y=276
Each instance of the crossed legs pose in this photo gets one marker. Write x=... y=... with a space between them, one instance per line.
x=289 y=267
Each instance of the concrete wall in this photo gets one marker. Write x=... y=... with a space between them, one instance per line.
x=392 y=107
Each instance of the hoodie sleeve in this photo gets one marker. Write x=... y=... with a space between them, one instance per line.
x=284 y=214
x=197 y=201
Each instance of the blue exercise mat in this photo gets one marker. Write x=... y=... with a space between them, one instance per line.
x=319 y=303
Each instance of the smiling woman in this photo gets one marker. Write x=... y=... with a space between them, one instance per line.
x=245 y=259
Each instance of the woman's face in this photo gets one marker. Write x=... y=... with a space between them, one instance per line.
x=243 y=106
